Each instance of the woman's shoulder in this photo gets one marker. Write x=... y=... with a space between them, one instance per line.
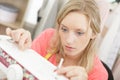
x=40 y=43
x=98 y=72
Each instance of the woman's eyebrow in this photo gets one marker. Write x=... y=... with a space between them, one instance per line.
x=81 y=30
x=63 y=25
x=78 y=29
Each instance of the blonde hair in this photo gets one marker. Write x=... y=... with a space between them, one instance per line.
x=90 y=9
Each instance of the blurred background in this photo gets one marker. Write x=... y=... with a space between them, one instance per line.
x=37 y=15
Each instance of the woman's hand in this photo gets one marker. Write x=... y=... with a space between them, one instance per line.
x=73 y=72
x=21 y=37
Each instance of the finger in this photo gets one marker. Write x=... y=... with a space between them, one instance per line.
x=16 y=34
x=28 y=40
x=80 y=77
x=8 y=31
x=28 y=44
x=63 y=70
x=78 y=74
x=72 y=73
x=25 y=40
x=76 y=78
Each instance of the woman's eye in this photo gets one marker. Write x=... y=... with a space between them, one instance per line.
x=80 y=33
x=63 y=29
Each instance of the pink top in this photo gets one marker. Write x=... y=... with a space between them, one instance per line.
x=40 y=45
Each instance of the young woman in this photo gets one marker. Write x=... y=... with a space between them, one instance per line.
x=74 y=40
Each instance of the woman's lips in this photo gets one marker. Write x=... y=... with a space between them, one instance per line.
x=68 y=48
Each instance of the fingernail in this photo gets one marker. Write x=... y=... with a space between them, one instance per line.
x=8 y=30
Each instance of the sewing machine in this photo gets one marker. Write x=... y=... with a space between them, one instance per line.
x=24 y=65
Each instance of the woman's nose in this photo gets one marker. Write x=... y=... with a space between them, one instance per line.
x=70 y=38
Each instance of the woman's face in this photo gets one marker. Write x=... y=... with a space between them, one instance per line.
x=75 y=33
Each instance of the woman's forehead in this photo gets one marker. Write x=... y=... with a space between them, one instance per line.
x=76 y=20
